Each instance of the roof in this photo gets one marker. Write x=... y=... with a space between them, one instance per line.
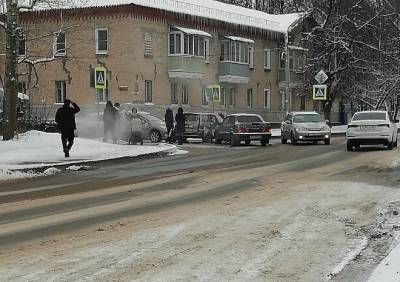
x=205 y=8
x=193 y=31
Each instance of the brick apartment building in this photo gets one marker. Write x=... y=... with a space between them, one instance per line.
x=161 y=53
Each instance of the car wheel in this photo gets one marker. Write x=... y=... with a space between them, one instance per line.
x=327 y=141
x=283 y=140
x=390 y=146
x=315 y=142
x=232 y=141
x=247 y=142
x=349 y=146
x=293 y=139
x=155 y=136
x=395 y=144
x=217 y=139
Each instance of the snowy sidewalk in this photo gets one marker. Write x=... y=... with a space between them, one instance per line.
x=36 y=149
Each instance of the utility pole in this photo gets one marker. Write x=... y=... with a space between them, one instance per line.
x=11 y=75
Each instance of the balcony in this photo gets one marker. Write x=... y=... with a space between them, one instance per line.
x=186 y=67
x=296 y=78
x=231 y=72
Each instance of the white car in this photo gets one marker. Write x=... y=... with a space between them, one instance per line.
x=371 y=128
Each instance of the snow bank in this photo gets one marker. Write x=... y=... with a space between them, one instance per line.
x=389 y=269
x=36 y=149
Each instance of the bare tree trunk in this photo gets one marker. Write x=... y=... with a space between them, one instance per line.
x=11 y=76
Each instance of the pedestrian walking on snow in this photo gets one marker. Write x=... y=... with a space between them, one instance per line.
x=110 y=119
x=65 y=118
x=169 y=123
x=180 y=125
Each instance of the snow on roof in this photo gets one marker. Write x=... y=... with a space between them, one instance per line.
x=234 y=38
x=193 y=31
x=204 y=8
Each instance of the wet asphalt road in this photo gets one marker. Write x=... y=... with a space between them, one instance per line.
x=107 y=175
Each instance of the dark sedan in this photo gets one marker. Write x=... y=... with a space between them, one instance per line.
x=243 y=127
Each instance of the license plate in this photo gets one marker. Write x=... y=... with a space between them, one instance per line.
x=255 y=137
x=367 y=127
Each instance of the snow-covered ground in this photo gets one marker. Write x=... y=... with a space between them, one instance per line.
x=36 y=149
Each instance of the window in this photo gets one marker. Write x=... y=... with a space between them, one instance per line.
x=190 y=45
x=249 y=98
x=207 y=50
x=59 y=48
x=21 y=87
x=148 y=91
x=22 y=45
x=61 y=91
x=231 y=97
x=204 y=98
x=282 y=60
x=185 y=94
x=102 y=41
x=267 y=99
x=235 y=51
x=174 y=93
x=148 y=45
x=223 y=95
x=267 y=59
x=102 y=95
x=251 y=57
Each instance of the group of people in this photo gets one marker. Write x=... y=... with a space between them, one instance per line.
x=180 y=124
x=65 y=118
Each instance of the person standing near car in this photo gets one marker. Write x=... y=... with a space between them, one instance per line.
x=169 y=123
x=180 y=125
x=65 y=118
x=110 y=118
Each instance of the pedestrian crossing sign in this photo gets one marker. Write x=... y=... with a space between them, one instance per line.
x=320 y=92
x=213 y=93
x=100 y=78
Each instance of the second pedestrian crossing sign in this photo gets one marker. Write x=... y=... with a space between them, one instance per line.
x=320 y=92
x=100 y=78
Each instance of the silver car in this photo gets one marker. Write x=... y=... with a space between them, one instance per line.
x=305 y=126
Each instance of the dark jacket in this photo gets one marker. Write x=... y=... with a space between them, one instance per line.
x=110 y=115
x=169 y=118
x=65 y=117
x=180 y=121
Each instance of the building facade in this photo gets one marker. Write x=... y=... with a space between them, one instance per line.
x=157 y=58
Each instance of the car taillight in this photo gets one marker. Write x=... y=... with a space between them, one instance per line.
x=267 y=129
x=241 y=130
x=384 y=125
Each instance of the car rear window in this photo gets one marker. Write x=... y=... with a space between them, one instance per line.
x=249 y=119
x=307 y=118
x=191 y=117
x=370 y=116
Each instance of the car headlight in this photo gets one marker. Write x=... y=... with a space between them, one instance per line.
x=298 y=129
x=326 y=127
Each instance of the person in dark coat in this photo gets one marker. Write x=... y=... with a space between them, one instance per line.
x=180 y=125
x=65 y=118
x=110 y=119
x=169 y=123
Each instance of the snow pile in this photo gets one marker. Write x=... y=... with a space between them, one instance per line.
x=36 y=149
x=389 y=269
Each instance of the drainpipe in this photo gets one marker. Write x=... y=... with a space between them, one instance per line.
x=288 y=100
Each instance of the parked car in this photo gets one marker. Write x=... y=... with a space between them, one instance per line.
x=305 y=126
x=371 y=128
x=153 y=128
x=201 y=125
x=243 y=127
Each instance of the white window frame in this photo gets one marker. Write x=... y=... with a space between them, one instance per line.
x=148 y=45
x=249 y=93
x=232 y=98
x=102 y=95
x=63 y=51
x=101 y=52
x=251 y=57
x=267 y=98
x=207 y=49
x=148 y=91
x=63 y=89
x=174 y=93
x=267 y=59
x=185 y=94
x=236 y=51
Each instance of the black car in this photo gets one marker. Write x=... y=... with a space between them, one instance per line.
x=243 y=127
x=201 y=125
